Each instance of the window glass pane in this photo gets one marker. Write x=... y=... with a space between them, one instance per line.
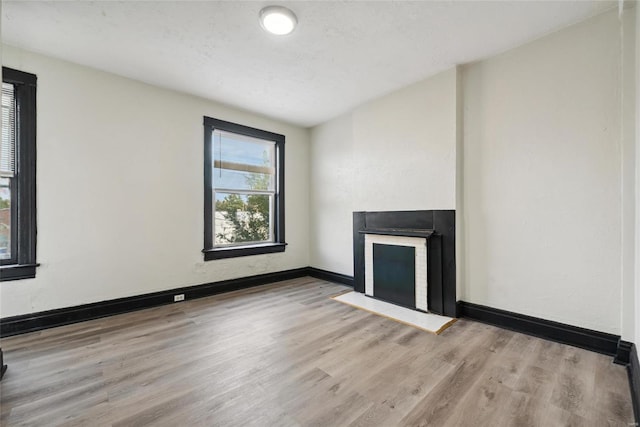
x=5 y=218
x=243 y=163
x=241 y=218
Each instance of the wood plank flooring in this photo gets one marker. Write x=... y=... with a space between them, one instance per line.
x=287 y=355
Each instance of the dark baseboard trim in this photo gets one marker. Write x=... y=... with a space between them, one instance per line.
x=3 y=367
x=331 y=276
x=633 y=370
x=566 y=334
x=48 y=319
x=623 y=354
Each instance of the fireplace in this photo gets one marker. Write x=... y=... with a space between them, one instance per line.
x=407 y=258
x=396 y=266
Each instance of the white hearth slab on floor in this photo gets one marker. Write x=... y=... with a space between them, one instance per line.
x=427 y=321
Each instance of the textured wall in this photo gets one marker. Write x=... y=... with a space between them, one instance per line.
x=527 y=147
x=120 y=190
x=542 y=177
x=394 y=153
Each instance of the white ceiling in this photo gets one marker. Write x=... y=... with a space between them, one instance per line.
x=342 y=53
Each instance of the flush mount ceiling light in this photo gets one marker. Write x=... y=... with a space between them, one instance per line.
x=278 y=20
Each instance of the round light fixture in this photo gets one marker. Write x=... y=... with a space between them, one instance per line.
x=278 y=20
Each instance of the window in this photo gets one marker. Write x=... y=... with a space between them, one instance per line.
x=244 y=190
x=18 y=176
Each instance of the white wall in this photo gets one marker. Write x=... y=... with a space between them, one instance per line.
x=538 y=167
x=542 y=177
x=397 y=152
x=331 y=196
x=637 y=188
x=628 y=165
x=120 y=190
x=404 y=148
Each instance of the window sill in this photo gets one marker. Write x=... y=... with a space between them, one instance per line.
x=238 y=251
x=17 y=272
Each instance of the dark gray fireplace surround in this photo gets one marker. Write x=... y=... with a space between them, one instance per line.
x=440 y=227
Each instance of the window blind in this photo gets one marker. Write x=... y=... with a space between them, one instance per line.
x=242 y=162
x=8 y=143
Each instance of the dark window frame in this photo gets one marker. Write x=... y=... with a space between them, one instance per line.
x=23 y=265
x=278 y=245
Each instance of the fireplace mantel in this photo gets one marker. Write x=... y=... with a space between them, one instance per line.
x=405 y=232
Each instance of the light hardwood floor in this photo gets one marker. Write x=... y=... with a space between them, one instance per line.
x=287 y=355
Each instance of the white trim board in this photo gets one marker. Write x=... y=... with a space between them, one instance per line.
x=426 y=321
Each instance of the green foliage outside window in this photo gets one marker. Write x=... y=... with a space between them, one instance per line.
x=248 y=215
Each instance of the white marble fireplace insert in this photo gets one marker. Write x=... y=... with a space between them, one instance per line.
x=421 y=256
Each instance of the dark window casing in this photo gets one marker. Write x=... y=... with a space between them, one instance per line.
x=278 y=245
x=23 y=265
